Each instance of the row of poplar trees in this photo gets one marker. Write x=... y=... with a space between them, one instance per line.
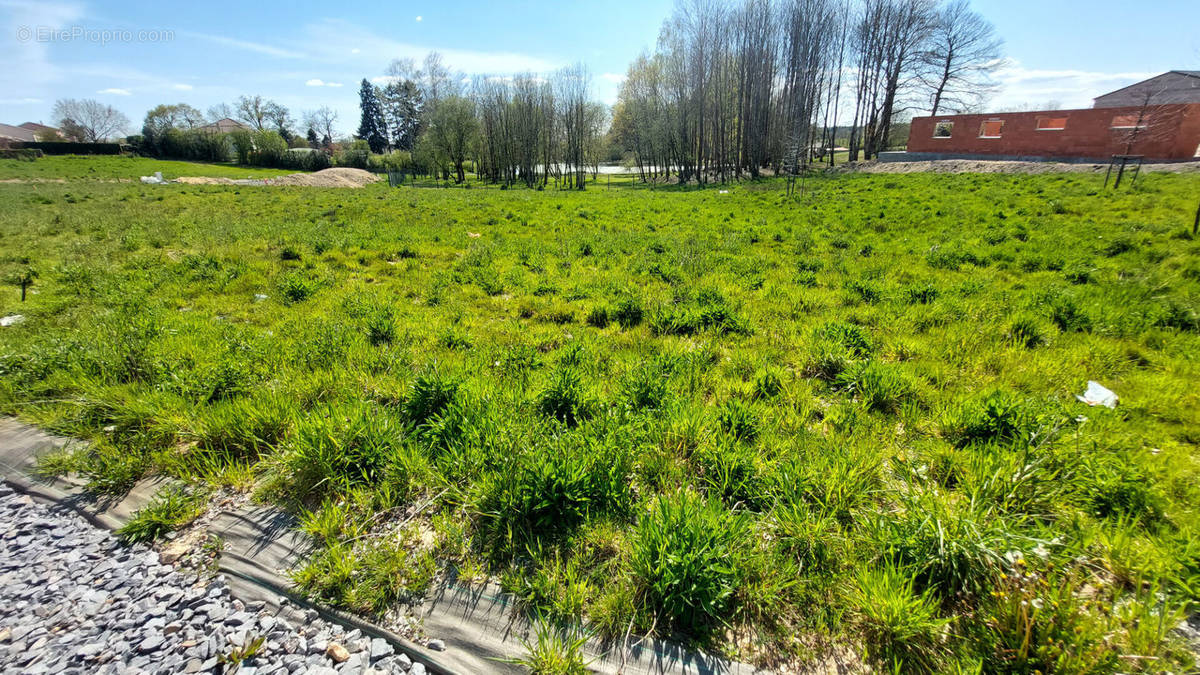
x=735 y=89
x=732 y=89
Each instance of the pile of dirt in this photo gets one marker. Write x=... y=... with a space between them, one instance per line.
x=1002 y=166
x=338 y=177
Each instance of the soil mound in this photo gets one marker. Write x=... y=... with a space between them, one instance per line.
x=337 y=177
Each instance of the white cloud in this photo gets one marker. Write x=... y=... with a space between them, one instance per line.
x=418 y=19
x=356 y=50
x=615 y=78
x=19 y=101
x=315 y=82
x=257 y=47
x=333 y=39
x=1033 y=87
x=115 y=92
x=27 y=67
x=182 y=87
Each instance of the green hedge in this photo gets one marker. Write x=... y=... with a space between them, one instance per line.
x=68 y=148
x=22 y=153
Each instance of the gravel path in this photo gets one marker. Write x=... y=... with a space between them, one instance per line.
x=74 y=600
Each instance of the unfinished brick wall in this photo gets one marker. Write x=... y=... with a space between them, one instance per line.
x=1166 y=132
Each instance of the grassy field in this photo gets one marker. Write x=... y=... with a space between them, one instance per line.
x=122 y=168
x=764 y=425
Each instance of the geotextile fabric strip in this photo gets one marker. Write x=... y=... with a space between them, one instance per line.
x=479 y=626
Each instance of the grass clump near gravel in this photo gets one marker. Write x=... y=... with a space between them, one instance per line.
x=171 y=508
x=759 y=425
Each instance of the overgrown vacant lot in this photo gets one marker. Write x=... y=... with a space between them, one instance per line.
x=761 y=424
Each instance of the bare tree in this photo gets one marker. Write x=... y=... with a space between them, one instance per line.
x=252 y=110
x=89 y=120
x=452 y=131
x=280 y=118
x=321 y=121
x=889 y=38
x=962 y=53
x=178 y=116
x=220 y=111
x=572 y=85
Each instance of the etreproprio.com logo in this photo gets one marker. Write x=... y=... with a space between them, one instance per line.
x=100 y=36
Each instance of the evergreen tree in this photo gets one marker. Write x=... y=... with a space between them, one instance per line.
x=401 y=102
x=372 y=128
x=312 y=138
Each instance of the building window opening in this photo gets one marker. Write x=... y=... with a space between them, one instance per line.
x=1128 y=122
x=1051 y=123
x=991 y=129
x=943 y=129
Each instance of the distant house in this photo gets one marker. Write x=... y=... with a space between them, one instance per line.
x=1176 y=86
x=1158 y=118
x=43 y=131
x=224 y=126
x=10 y=133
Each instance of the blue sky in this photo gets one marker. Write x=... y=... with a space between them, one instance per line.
x=308 y=54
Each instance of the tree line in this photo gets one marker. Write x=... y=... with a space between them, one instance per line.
x=733 y=90
x=525 y=128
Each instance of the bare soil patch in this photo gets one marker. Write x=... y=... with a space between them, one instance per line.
x=337 y=177
x=1002 y=166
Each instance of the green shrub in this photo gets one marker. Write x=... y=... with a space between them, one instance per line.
x=628 y=313
x=709 y=310
x=564 y=398
x=767 y=385
x=738 y=419
x=171 y=508
x=812 y=539
x=881 y=387
x=646 y=387
x=949 y=549
x=864 y=291
x=851 y=337
x=553 y=651
x=1121 y=490
x=367 y=579
x=1066 y=313
x=729 y=472
x=546 y=493
x=598 y=317
x=1027 y=332
x=1118 y=246
x=901 y=628
x=685 y=560
x=297 y=287
x=338 y=448
x=245 y=428
x=429 y=395
x=381 y=325
x=997 y=417
x=919 y=294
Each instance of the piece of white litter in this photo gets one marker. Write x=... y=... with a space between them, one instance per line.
x=156 y=179
x=11 y=320
x=259 y=297
x=722 y=192
x=1098 y=394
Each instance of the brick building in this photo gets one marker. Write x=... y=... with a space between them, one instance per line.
x=1158 y=118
